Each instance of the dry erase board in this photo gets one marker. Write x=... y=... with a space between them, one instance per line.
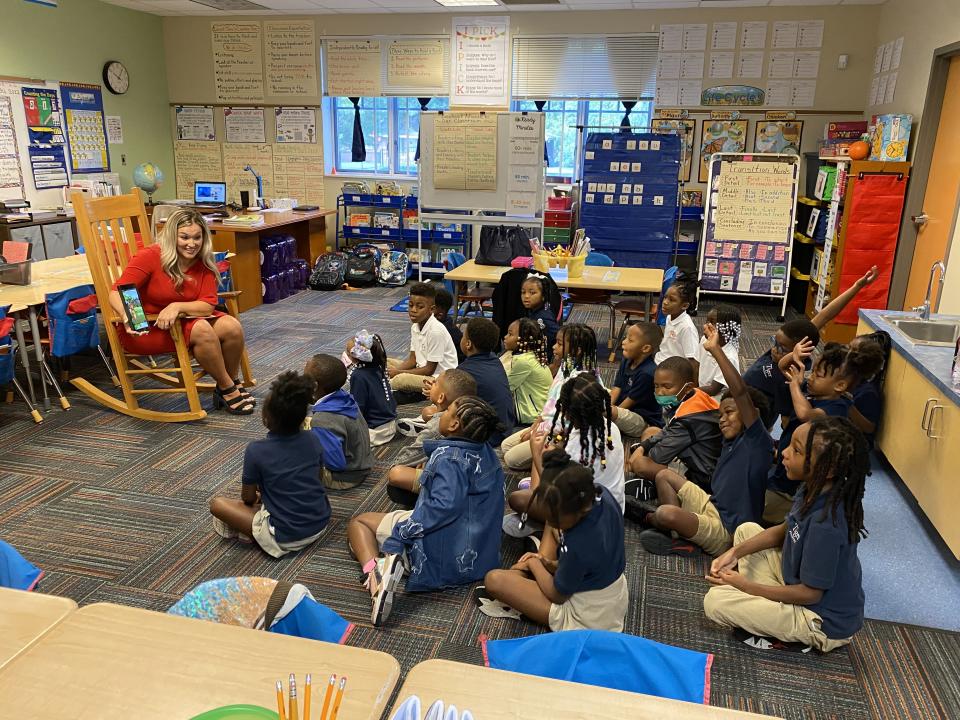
x=482 y=161
x=749 y=214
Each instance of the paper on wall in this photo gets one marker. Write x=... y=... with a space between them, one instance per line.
x=668 y=66
x=897 y=53
x=522 y=203
x=784 y=34
x=891 y=88
x=750 y=64
x=780 y=64
x=806 y=64
x=810 y=34
x=480 y=59
x=694 y=37
x=244 y=125
x=415 y=63
x=196 y=160
x=291 y=57
x=668 y=93
x=236 y=156
x=721 y=65
x=195 y=122
x=296 y=125
x=691 y=66
x=689 y=92
x=298 y=172
x=353 y=68
x=114 y=129
x=237 y=61
x=753 y=35
x=724 y=36
x=671 y=38
x=465 y=151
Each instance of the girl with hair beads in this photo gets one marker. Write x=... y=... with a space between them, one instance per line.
x=576 y=581
x=583 y=427
x=536 y=306
x=451 y=537
x=868 y=395
x=799 y=582
x=679 y=332
x=726 y=319
x=575 y=351
x=528 y=373
x=370 y=386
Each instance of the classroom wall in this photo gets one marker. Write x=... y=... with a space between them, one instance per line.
x=72 y=42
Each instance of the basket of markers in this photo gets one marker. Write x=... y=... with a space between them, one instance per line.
x=571 y=258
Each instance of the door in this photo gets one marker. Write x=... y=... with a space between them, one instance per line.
x=940 y=199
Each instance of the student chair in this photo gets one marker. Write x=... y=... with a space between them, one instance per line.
x=72 y=327
x=8 y=365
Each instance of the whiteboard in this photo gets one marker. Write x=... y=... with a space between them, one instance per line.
x=492 y=200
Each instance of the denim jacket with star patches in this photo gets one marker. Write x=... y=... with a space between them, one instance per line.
x=453 y=535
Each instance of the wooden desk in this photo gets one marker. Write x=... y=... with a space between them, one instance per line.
x=108 y=661
x=623 y=279
x=309 y=228
x=498 y=695
x=25 y=617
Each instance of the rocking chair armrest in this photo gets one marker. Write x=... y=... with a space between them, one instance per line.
x=230 y=293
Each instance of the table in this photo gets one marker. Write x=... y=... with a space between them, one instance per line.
x=113 y=662
x=309 y=228
x=498 y=695
x=25 y=617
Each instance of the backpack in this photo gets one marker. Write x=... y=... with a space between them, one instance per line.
x=495 y=246
x=394 y=266
x=329 y=272
x=363 y=262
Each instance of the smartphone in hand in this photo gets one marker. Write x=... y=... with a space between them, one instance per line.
x=136 y=317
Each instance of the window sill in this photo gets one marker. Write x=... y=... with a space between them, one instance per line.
x=371 y=176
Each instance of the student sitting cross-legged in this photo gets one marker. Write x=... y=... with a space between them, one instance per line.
x=798 y=584
x=739 y=481
x=452 y=535
x=576 y=580
x=338 y=424
x=634 y=404
x=370 y=386
x=479 y=343
x=527 y=366
x=282 y=504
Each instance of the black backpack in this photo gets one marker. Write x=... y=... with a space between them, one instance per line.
x=500 y=244
x=328 y=272
x=363 y=266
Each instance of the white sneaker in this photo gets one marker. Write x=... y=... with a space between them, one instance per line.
x=223 y=530
x=411 y=427
x=389 y=575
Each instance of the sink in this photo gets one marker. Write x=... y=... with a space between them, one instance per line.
x=941 y=333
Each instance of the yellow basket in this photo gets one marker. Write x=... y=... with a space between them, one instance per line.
x=574 y=264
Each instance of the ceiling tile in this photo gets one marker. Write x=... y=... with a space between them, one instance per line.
x=794 y=2
x=733 y=3
x=862 y=2
x=664 y=4
x=287 y=4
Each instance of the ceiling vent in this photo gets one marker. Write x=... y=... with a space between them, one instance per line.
x=231 y=6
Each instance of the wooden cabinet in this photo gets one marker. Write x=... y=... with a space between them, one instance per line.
x=920 y=437
x=51 y=238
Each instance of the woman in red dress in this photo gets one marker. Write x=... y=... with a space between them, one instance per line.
x=177 y=277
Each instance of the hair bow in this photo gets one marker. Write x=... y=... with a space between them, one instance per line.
x=362 y=342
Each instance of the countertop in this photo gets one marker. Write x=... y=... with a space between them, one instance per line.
x=934 y=363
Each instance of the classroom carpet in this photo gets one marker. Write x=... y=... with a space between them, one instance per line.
x=115 y=510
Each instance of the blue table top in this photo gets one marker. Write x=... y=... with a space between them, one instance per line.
x=934 y=363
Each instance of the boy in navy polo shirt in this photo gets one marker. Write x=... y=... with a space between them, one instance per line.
x=634 y=405
x=480 y=338
x=739 y=481
x=798 y=584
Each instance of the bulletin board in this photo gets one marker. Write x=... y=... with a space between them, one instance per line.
x=749 y=215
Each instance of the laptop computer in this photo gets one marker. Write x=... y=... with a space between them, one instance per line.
x=210 y=194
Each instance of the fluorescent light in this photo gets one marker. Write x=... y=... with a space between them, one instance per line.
x=467 y=3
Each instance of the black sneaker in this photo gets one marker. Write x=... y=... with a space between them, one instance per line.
x=406 y=397
x=657 y=543
x=641 y=488
x=760 y=642
x=638 y=511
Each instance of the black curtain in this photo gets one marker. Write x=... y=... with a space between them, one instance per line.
x=546 y=154
x=423 y=108
x=358 y=151
x=628 y=105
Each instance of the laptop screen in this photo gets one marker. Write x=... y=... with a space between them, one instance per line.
x=209 y=192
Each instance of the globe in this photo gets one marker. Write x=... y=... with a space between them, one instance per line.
x=148 y=177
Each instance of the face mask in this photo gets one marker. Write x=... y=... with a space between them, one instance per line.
x=667 y=400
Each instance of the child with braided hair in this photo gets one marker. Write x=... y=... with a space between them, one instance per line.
x=679 y=332
x=535 y=298
x=798 y=584
x=726 y=319
x=584 y=427
x=528 y=372
x=370 y=386
x=576 y=580
x=451 y=537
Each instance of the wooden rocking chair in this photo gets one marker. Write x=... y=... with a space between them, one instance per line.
x=112 y=230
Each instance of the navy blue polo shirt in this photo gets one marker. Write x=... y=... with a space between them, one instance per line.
x=833 y=407
x=373 y=394
x=868 y=400
x=286 y=469
x=818 y=553
x=636 y=383
x=547 y=320
x=765 y=376
x=455 y=334
x=493 y=387
x=593 y=557
x=740 y=478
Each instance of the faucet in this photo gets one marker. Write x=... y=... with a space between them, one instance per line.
x=924 y=310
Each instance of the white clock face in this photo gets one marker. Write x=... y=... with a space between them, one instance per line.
x=118 y=78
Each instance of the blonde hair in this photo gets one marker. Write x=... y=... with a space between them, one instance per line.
x=169 y=257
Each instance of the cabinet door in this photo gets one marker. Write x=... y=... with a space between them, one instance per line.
x=58 y=240
x=908 y=401
x=33 y=235
x=939 y=495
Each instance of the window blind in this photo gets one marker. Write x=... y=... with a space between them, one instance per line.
x=410 y=66
x=585 y=66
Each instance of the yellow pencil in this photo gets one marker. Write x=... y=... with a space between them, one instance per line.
x=280 y=712
x=326 y=698
x=307 y=692
x=336 y=703
x=294 y=709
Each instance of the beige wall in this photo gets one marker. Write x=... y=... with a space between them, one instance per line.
x=950 y=298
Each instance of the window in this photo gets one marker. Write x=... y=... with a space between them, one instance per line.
x=561 y=117
x=391 y=126
x=609 y=113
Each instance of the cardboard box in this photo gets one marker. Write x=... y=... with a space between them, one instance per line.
x=845 y=130
x=890 y=137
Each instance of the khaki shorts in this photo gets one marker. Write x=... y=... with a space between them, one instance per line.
x=389 y=522
x=776 y=505
x=516 y=452
x=711 y=535
x=603 y=609
x=263 y=534
x=630 y=423
x=405 y=382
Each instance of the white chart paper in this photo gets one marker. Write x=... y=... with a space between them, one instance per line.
x=897 y=53
x=691 y=66
x=803 y=93
x=806 y=64
x=668 y=66
x=779 y=93
x=721 y=65
x=891 y=88
x=689 y=92
x=780 y=65
x=695 y=37
x=668 y=93
x=724 y=36
x=671 y=38
x=874 y=86
x=887 y=57
x=810 y=34
x=753 y=35
x=784 y=34
x=750 y=64
x=878 y=59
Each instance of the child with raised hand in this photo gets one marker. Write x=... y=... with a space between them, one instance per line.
x=576 y=349
x=679 y=334
x=576 y=581
x=370 y=387
x=480 y=339
x=826 y=392
x=534 y=295
x=452 y=535
x=528 y=373
x=431 y=348
x=726 y=319
x=800 y=582
x=868 y=395
x=633 y=402
x=583 y=426
x=337 y=422
x=765 y=373
x=739 y=480
x=282 y=504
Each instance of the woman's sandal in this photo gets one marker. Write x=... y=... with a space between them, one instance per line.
x=239 y=405
x=243 y=391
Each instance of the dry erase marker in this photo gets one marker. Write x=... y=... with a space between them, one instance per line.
x=336 y=703
x=280 y=710
x=307 y=692
x=294 y=711
x=326 y=698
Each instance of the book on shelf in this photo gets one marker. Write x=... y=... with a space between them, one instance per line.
x=358 y=219
x=386 y=220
